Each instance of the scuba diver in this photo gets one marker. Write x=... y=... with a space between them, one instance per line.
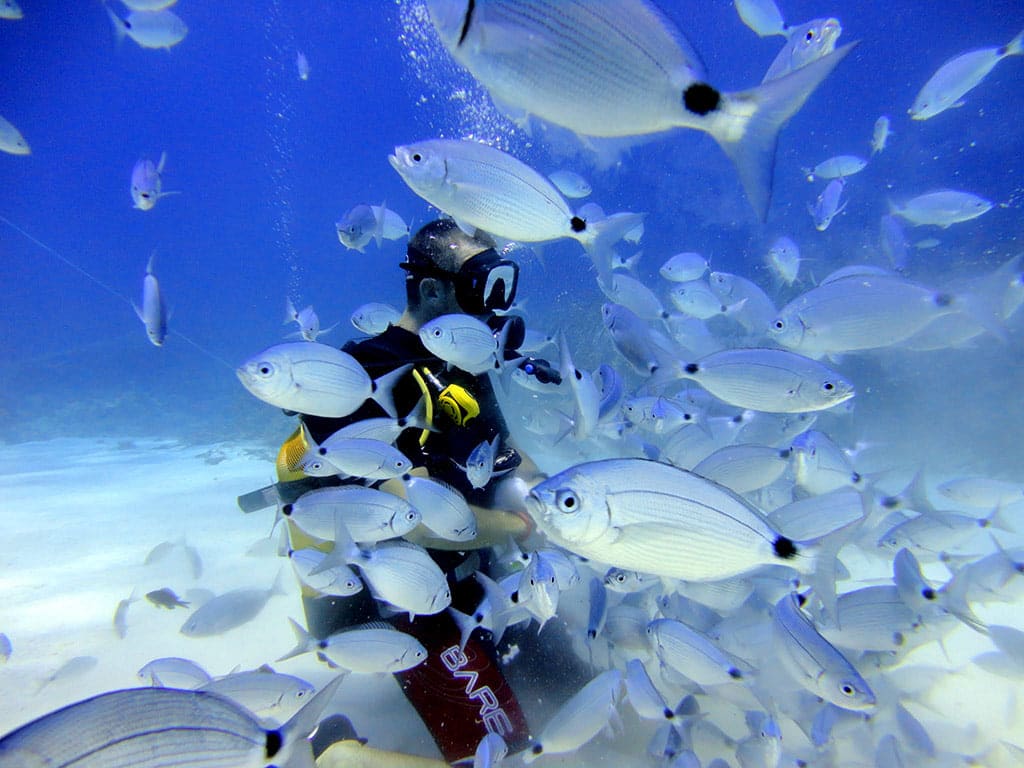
x=460 y=693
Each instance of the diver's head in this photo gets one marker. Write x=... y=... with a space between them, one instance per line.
x=448 y=271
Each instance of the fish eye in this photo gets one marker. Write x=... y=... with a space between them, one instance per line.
x=566 y=501
x=847 y=689
x=437 y=333
x=828 y=386
x=620 y=577
x=810 y=35
x=265 y=369
x=417 y=157
x=778 y=325
x=410 y=515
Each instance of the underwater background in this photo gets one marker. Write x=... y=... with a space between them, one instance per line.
x=265 y=163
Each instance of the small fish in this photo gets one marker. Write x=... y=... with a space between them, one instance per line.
x=586 y=399
x=368 y=514
x=355 y=456
x=480 y=462
x=942 y=208
x=302 y=65
x=644 y=347
x=121 y=615
x=263 y=691
x=763 y=747
x=880 y=135
x=147 y=183
x=643 y=696
x=315 y=379
x=229 y=610
x=142 y=726
x=630 y=292
x=838 y=167
x=580 y=719
x=374 y=318
x=339 y=580
x=784 y=260
x=927 y=243
x=444 y=510
x=822 y=466
x=462 y=341
x=754 y=309
x=696 y=299
x=827 y=206
x=165 y=598
x=684 y=267
x=150 y=29
x=982 y=492
x=892 y=240
x=5 y=648
x=11 y=140
x=153 y=312
x=570 y=184
x=306 y=319
x=484 y=188
x=806 y=44
x=772 y=380
x=762 y=16
x=364 y=223
x=404 y=576
x=9 y=9
x=694 y=655
x=813 y=662
x=174 y=672
x=364 y=649
x=959 y=75
x=744 y=467
x=648 y=516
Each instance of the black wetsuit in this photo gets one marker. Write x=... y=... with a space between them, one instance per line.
x=459 y=693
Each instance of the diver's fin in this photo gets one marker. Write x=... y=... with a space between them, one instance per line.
x=748 y=123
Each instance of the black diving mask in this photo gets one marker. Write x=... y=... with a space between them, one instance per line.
x=484 y=283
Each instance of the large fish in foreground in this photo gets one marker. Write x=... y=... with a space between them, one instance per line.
x=151 y=727
x=618 y=69
x=647 y=516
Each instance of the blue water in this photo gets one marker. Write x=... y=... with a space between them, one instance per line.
x=266 y=163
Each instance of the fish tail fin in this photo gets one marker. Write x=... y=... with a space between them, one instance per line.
x=953 y=599
x=300 y=727
x=117 y=22
x=465 y=623
x=1016 y=46
x=304 y=642
x=747 y=125
x=161 y=164
x=339 y=554
x=290 y=313
x=985 y=312
x=383 y=389
x=818 y=562
x=599 y=236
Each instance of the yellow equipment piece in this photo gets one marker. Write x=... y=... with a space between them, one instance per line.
x=457 y=404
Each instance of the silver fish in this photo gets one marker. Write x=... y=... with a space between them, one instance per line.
x=367 y=514
x=696 y=299
x=806 y=44
x=313 y=378
x=580 y=718
x=302 y=65
x=784 y=260
x=228 y=611
x=403 y=575
x=858 y=312
x=364 y=649
x=659 y=81
x=120 y=617
x=263 y=691
x=364 y=223
x=145 y=727
x=838 y=167
x=645 y=698
x=480 y=463
x=880 y=135
x=982 y=492
x=174 y=672
x=355 y=456
x=374 y=318
x=11 y=140
x=150 y=29
x=755 y=310
x=153 y=312
x=585 y=397
x=694 y=655
x=147 y=183
x=762 y=16
x=646 y=516
x=684 y=267
x=645 y=348
x=462 y=341
x=773 y=380
x=10 y=10
x=744 y=467
x=484 y=188
x=339 y=580
x=443 y=509
x=942 y=208
x=814 y=662
x=630 y=292
x=958 y=76
x=570 y=184
x=827 y=206
x=306 y=319
x=821 y=465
